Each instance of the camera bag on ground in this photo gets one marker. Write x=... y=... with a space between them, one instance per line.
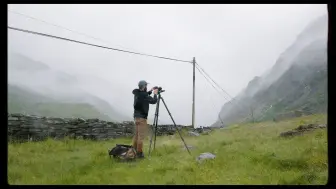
x=123 y=152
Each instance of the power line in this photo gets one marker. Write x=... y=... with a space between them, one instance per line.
x=215 y=82
x=208 y=78
x=80 y=33
x=90 y=44
x=220 y=86
x=216 y=90
x=243 y=119
x=59 y=26
x=213 y=104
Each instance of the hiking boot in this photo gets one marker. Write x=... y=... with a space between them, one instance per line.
x=140 y=155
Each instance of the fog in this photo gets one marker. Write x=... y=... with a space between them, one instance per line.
x=233 y=43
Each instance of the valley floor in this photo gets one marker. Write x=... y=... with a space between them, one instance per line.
x=245 y=154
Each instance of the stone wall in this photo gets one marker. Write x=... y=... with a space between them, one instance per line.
x=27 y=127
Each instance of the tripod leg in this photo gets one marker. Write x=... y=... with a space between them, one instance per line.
x=157 y=120
x=175 y=125
x=151 y=138
x=155 y=133
x=153 y=126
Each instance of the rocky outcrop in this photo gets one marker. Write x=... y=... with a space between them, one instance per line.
x=27 y=127
x=302 y=129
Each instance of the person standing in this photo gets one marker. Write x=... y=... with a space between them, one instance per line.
x=142 y=99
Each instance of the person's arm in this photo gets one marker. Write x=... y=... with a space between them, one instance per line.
x=150 y=92
x=152 y=100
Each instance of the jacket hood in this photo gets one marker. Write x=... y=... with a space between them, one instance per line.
x=136 y=91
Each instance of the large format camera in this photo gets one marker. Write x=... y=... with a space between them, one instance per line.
x=158 y=88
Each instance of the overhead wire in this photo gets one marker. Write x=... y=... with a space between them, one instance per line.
x=59 y=26
x=233 y=99
x=261 y=116
x=213 y=104
x=229 y=101
x=208 y=78
x=80 y=33
x=215 y=89
x=215 y=82
x=94 y=45
x=62 y=27
x=200 y=69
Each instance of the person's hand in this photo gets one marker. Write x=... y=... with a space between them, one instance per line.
x=155 y=91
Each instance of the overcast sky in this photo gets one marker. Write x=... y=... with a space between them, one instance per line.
x=233 y=43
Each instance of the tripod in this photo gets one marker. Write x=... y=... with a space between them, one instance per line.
x=155 y=124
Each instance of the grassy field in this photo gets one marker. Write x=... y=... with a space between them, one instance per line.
x=245 y=154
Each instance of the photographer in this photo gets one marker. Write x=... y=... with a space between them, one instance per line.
x=142 y=99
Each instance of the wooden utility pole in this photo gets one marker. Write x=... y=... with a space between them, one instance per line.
x=252 y=116
x=193 y=103
x=220 y=119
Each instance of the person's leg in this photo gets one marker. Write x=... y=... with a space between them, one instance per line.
x=142 y=131
x=136 y=130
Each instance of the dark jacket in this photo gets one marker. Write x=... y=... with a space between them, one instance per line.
x=142 y=99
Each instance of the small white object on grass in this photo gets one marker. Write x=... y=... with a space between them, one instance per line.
x=205 y=155
x=193 y=133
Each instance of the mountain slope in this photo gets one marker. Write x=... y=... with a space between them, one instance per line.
x=21 y=100
x=317 y=29
x=60 y=90
x=297 y=81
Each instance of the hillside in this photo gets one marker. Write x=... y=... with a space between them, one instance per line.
x=245 y=154
x=22 y=100
x=31 y=81
x=297 y=82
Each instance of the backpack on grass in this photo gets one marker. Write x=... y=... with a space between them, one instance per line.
x=123 y=152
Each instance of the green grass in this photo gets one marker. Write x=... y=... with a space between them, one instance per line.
x=245 y=154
